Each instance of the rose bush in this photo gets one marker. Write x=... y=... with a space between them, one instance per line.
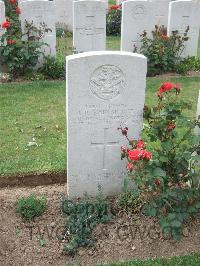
x=165 y=168
x=20 y=52
x=163 y=52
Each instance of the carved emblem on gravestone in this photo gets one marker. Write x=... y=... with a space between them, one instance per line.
x=107 y=82
x=139 y=12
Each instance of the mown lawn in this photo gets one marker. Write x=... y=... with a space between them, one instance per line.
x=188 y=260
x=33 y=127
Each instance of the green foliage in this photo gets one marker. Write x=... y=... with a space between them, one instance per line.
x=188 y=64
x=81 y=218
x=163 y=52
x=53 y=68
x=31 y=206
x=63 y=32
x=113 y=22
x=173 y=207
x=170 y=178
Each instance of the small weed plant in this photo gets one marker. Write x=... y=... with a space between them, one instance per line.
x=31 y=206
x=52 y=68
x=82 y=216
x=165 y=168
x=129 y=200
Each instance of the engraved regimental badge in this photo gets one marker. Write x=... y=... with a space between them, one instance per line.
x=107 y=82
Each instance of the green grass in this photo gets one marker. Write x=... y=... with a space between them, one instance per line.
x=32 y=110
x=65 y=45
x=192 y=260
x=37 y=110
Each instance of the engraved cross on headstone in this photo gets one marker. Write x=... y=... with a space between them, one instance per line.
x=105 y=143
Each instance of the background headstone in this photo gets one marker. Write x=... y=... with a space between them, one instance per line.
x=40 y=11
x=105 y=90
x=182 y=14
x=137 y=16
x=89 y=29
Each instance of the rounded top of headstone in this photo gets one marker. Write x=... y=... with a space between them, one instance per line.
x=108 y=53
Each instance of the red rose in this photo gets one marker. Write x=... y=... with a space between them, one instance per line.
x=157 y=182
x=13 y=2
x=130 y=166
x=6 y=24
x=115 y=7
x=18 y=10
x=146 y=155
x=134 y=155
x=11 y=41
x=171 y=126
x=167 y=86
x=140 y=144
x=164 y=37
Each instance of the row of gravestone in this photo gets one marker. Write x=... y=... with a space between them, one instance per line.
x=63 y=12
x=89 y=28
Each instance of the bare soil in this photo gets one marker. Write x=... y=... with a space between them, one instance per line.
x=33 y=179
x=38 y=243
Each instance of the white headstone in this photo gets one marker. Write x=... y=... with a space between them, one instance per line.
x=2 y=17
x=105 y=90
x=89 y=29
x=64 y=13
x=137 y=16
x=40 y=11
x=182 y=14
